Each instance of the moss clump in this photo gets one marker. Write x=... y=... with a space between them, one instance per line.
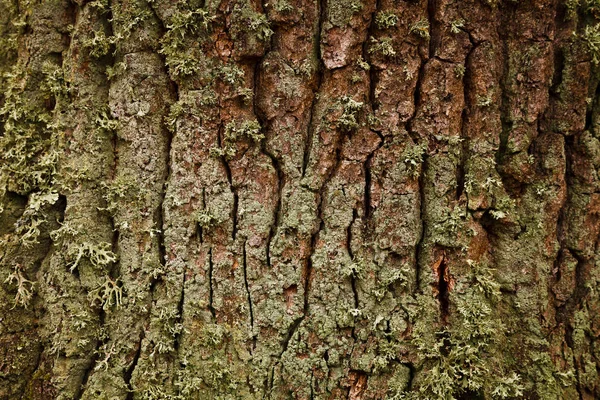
x=235 y=131
x=28 y=160
x=460 y=358
x=245 y=19
x=349 y=119
x=185 y=25
x=340 y=12
x=413 y=158
x=591 y=38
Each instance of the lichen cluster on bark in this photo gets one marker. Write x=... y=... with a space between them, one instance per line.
x=299 y=199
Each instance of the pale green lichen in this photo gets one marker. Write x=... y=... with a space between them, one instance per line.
x=28 y=227
x=340 y=12
x=181 y=59
x=245 y=20
x=349 y=119
x=459 y=358
x=282 y=6
x=28 y=161
x=100 y=255
x=235 y=131
x=413 y=158
x=23 y=285
x=386 y=19
x=383 y=46
x=459 y=71
x=457 y=25
x=591 y=38
x=420 y=28
x=108 y=294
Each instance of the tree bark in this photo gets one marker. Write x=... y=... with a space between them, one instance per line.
x=299 y=199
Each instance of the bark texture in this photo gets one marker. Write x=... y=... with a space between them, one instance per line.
x=299 y=199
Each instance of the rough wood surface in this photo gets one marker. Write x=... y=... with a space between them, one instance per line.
x=299 y=199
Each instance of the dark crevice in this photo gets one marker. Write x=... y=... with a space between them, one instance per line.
x=129 y=371
x=506 y=121
x=94 y=359
x=434 y=27
x=351 y=254
x=368 y=210
x=416 y=102
x=319 y=81
x=422 y=201
x=311 y=128
x=234 y=210
x=276 y=213
x=166 y=178
x=180 y=307
x=557 y=78
x=443 y=294
x=245 y=268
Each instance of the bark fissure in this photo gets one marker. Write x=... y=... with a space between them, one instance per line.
x=348 y=196
x=249 y=296
x=319 y=81
x=129 y=371
x=277 y=211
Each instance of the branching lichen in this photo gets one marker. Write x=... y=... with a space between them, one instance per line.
x=100 y=255
x=24 y=286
